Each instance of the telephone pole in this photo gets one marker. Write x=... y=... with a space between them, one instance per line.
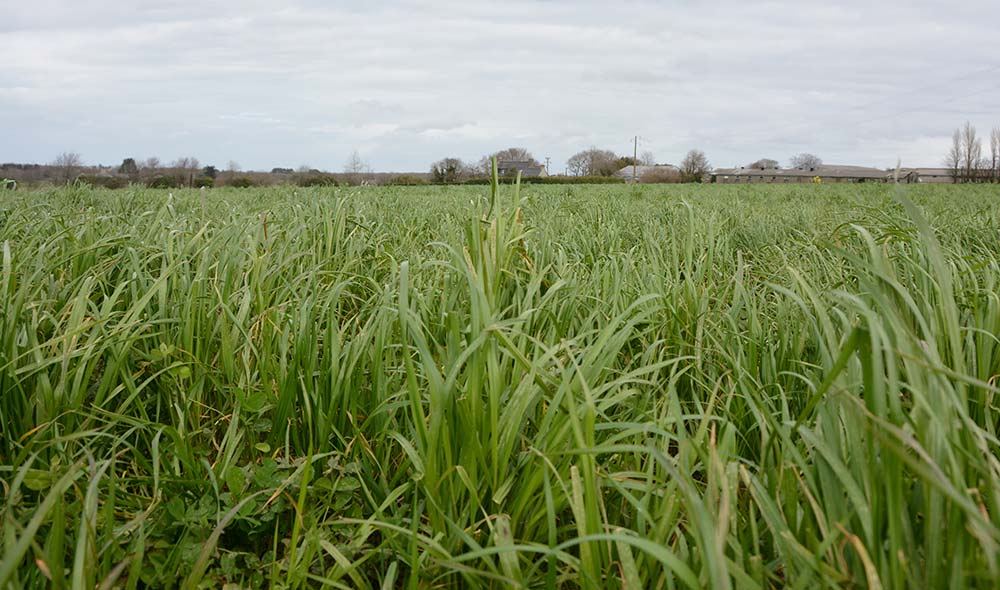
x=635 y=158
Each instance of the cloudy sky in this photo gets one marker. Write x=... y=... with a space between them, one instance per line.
x=405 y=83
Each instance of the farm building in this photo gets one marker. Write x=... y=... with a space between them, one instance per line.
x=659 y=171
x=527 y=168
x=823 y=173
x=925 y=175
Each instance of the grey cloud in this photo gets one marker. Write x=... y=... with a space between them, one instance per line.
x=408 y=82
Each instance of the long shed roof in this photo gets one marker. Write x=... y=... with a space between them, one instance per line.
x=829 y=171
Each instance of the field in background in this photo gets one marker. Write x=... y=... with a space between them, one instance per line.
x=595 y=387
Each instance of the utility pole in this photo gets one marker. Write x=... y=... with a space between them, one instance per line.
x=635 y=158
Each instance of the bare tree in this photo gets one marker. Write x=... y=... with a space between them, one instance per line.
x=577 y=165
x=695 y=166
x=995 y=154
x=983 y=170
x=516 y=154
x=764 y=164
x=356 y=169
x=448 y=170
x=972 y=152
x=593 y=162
x=67 y=165
x=953 y=161
x=233 y=166
x=151 y=163
x=354 y=165
x=805 y=162
x=647 y=159
x=187 y=167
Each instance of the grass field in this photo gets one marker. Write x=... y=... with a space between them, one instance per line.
x=569 y=387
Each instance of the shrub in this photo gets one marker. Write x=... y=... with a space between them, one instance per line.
x=316 y=180
x=206 y=181
x=240 y=182
x=660 y=175
x=408 y=180
x=554 y=180
x=448 y=171
x=102 y=181
x=578 y=180
x=164 y=181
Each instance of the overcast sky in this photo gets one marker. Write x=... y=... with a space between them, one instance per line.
x=405 y=83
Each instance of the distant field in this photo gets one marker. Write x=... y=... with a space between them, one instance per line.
x=672 y=386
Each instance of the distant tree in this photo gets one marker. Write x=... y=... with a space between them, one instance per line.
x=129 y=168
x=577 y=164
x=984 y=170
x=512 y=154
x=594 y=162
x=356 y=169
x=694 y=166
x=233 y=166
x=151 y=163
x=972 y=152
x=965 y=160
x=281 y=171
x=354 y=164
x=805 y=162
x=186 y=163
x=953 y=161
x=647 y=159
x=210 y=172
x=67 y=165
x=448 y=170
x=624 y=161
x=764 y=164
x=187 y=167
x=995 y=154
x=515 y=154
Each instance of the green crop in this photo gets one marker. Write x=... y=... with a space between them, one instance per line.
x=492 y=387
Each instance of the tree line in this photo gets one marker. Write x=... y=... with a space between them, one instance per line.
x=589 y=163
x=803 y=161
x=69 y=166
x=182 y=172
x=966 y=160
